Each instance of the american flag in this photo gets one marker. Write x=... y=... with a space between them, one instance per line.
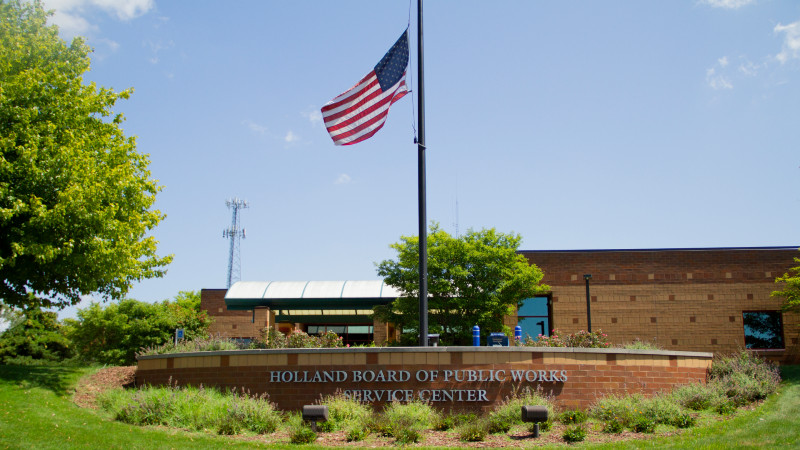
x=361 y=111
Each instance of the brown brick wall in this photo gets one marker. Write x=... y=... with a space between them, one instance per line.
x=681 y=299
x=233 y=324
x=589 y=374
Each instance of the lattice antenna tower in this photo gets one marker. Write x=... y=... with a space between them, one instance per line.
x=235 y=234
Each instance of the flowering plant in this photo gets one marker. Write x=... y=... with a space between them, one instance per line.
x=583 y=339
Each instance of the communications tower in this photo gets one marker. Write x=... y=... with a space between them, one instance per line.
x=235 y=234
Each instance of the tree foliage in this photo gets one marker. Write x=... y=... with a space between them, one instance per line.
x=75 y=195
x=791 y=288
x=112 y=334
x=38 y=339
x=474 y=279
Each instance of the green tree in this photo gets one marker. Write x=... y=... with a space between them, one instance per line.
x=75 y=195
x=112 y=334
x=475 y=279
x=39 y=338
x=791 y=289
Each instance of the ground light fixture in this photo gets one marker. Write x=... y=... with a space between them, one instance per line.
x=314 y=414
x=536 y=414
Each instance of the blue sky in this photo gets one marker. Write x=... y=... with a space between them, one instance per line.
x=577 y=124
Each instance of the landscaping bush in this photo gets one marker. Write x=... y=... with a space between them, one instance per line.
x=638 y=344
x=613 y=407
x=344 y=412
x=583 y=339
x=192 y=408
x=695 y=396
x=403 y=421
x=302 y=435
x=444 y=423
x=575 y=433
x=474 y=431
x=356 y=433
x=641 y=423
x=572 y=417
x=613 y=426
x=684 y=420
x=508 y=413
x=744 y=376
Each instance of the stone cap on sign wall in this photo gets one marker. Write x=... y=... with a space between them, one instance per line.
x=466 y=349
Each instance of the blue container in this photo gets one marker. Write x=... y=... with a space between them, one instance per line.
x=518 y=333
x=476 y=336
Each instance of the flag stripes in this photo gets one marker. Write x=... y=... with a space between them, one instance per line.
x=361 y=111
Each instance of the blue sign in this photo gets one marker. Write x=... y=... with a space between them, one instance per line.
x=497 y=340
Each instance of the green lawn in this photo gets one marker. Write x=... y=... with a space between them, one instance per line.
x=36 y=412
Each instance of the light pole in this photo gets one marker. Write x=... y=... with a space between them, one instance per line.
x=588 y=277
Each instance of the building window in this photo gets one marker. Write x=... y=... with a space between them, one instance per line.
x=763 y=330
x=534 y=317
x=350 y=334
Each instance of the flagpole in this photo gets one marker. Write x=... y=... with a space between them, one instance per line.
x=423 y=232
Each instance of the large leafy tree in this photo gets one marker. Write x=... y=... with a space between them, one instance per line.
x=474 y=279
x=75 y=195
x=791 y=288
x=113 y=333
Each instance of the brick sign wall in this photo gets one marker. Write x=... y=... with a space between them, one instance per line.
x=457 y=378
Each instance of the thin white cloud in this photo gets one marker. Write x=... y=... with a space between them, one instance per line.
x=791 y=41
x=750 y=69
x=723 y=61
x=343 y=178
x=313 y=115
x=290 y=137
x=255 y=128
x=717 y=81
x=728 y=4
x=71 y=15
x=157 y=48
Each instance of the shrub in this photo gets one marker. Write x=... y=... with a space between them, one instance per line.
x=344 y=411
x=465 y=418
x=407 y=435
x=638 y=344
x=724 y=406
x=572 y=417
x=683 y=420
x=613 y=407
x=444 y=423
x=575 y=433
x=404 y=420
x=643 y=424
x=474 y=431
x=303 y=435
x=356 y=433
x=695 y=396
x=192 y=408
x=744 y=376
x=613 y=426
x=509 y=411
x=583 y=339
x=498 y=424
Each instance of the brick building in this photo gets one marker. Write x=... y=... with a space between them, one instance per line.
x=713 y=299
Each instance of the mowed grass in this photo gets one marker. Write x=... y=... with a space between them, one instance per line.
x=36 y=412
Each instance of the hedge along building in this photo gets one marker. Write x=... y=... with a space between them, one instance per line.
x=709 y=300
